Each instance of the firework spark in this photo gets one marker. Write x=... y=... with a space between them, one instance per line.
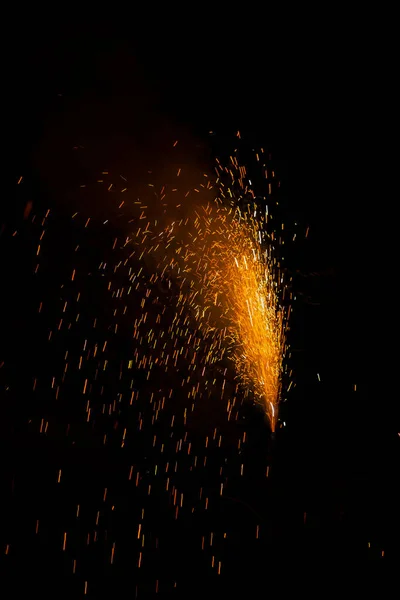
x=143 y=307
x=230 y=283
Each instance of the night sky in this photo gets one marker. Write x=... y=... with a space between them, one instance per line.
x=93 y=97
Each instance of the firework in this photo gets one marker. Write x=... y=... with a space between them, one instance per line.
x=157 y=318
x=229 y=282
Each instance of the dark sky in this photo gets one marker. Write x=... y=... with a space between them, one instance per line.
x=123 y=89
x=197 y=77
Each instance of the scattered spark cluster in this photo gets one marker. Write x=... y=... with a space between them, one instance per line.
x=155 y=327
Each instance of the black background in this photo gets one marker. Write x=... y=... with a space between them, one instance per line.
x=127 y=87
